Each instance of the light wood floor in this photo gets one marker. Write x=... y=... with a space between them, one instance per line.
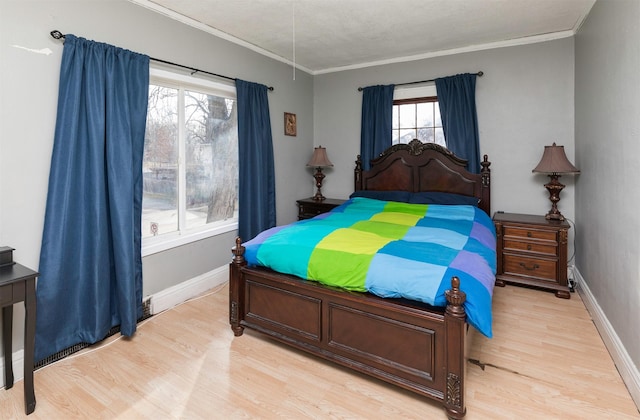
x=546 y=361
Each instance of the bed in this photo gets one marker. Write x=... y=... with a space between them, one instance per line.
x=360 y=330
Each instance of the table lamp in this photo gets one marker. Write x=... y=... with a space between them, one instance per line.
x=554 y=162
x=319 y=160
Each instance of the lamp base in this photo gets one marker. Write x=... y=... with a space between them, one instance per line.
x=319 y=176
x=554 y=187
x=553 y=216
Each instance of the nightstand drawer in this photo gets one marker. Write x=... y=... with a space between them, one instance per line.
x=308 y=207
x=520 y=232
x=518 y=265
x=309 y=211
x=533 y=247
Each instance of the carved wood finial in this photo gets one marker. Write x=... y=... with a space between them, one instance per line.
x=485 y=171
x=238 y=251
x=415 y=147
x=357 y=174
x=455 y=298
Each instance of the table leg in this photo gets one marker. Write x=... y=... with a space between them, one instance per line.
x=29 y=344
x=7 y=331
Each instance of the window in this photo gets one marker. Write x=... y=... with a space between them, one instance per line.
x=190 y=164
x=416 y=115
x=417 y=118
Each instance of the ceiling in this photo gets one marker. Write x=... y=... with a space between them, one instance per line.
x=322 y=36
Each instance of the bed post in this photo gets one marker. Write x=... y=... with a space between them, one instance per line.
x=357 y=174
x=236 y=288
x=485 y=172
x=455 y=331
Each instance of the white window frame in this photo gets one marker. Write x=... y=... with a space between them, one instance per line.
x=155 y=244
x=415 y=92
x=425 y=91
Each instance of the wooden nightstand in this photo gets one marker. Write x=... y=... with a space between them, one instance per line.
x=308 y=207
x=532 y=251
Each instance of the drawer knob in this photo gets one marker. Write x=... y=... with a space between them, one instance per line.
x=532 y=268
x=528 y=247
x=529 y=234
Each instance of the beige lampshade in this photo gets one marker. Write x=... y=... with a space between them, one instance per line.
x=319 y=158
x=554 y=161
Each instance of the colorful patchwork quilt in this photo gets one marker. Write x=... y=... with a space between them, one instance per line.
x=390 y=249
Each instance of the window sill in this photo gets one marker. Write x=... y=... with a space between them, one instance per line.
x=154 y=245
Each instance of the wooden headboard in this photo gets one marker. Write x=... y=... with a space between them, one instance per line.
x=417 y=167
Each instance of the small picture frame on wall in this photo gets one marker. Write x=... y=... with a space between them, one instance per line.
x=290 y=124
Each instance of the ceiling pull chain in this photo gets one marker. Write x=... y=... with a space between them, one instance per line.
x=293 y=12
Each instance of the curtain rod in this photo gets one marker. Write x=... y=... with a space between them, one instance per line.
x=59 y=35
x=479 y=74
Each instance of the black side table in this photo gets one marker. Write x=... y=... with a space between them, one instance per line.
x=308 y=207
x=18 y=284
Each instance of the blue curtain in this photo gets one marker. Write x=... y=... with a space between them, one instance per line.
x=377 y=113
x=90 y=260
x=256 y=184
x=457 y=99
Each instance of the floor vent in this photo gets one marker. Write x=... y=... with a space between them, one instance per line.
x=146 y=313
x=146 y=309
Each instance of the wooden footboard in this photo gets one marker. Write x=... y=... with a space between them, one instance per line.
x=405 y=343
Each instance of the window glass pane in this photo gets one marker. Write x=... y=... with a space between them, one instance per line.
x=395 y=118
x=439 y=137
x=407 y=115
x=395 y=137
x=160 y=165
x=424 y=114
x=437 y=119
x=211 y=158
x=407 y=135
x=425 y=135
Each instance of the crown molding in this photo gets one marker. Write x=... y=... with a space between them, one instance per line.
x=205 y=28
x=472 y=48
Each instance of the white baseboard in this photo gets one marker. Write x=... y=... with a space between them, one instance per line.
x=628 y=370
x=175 y=295
x=168 y=298
x=161 y=301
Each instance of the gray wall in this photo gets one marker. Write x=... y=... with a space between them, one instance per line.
x=28 y=100
x=608 y=153
x=524 y=101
